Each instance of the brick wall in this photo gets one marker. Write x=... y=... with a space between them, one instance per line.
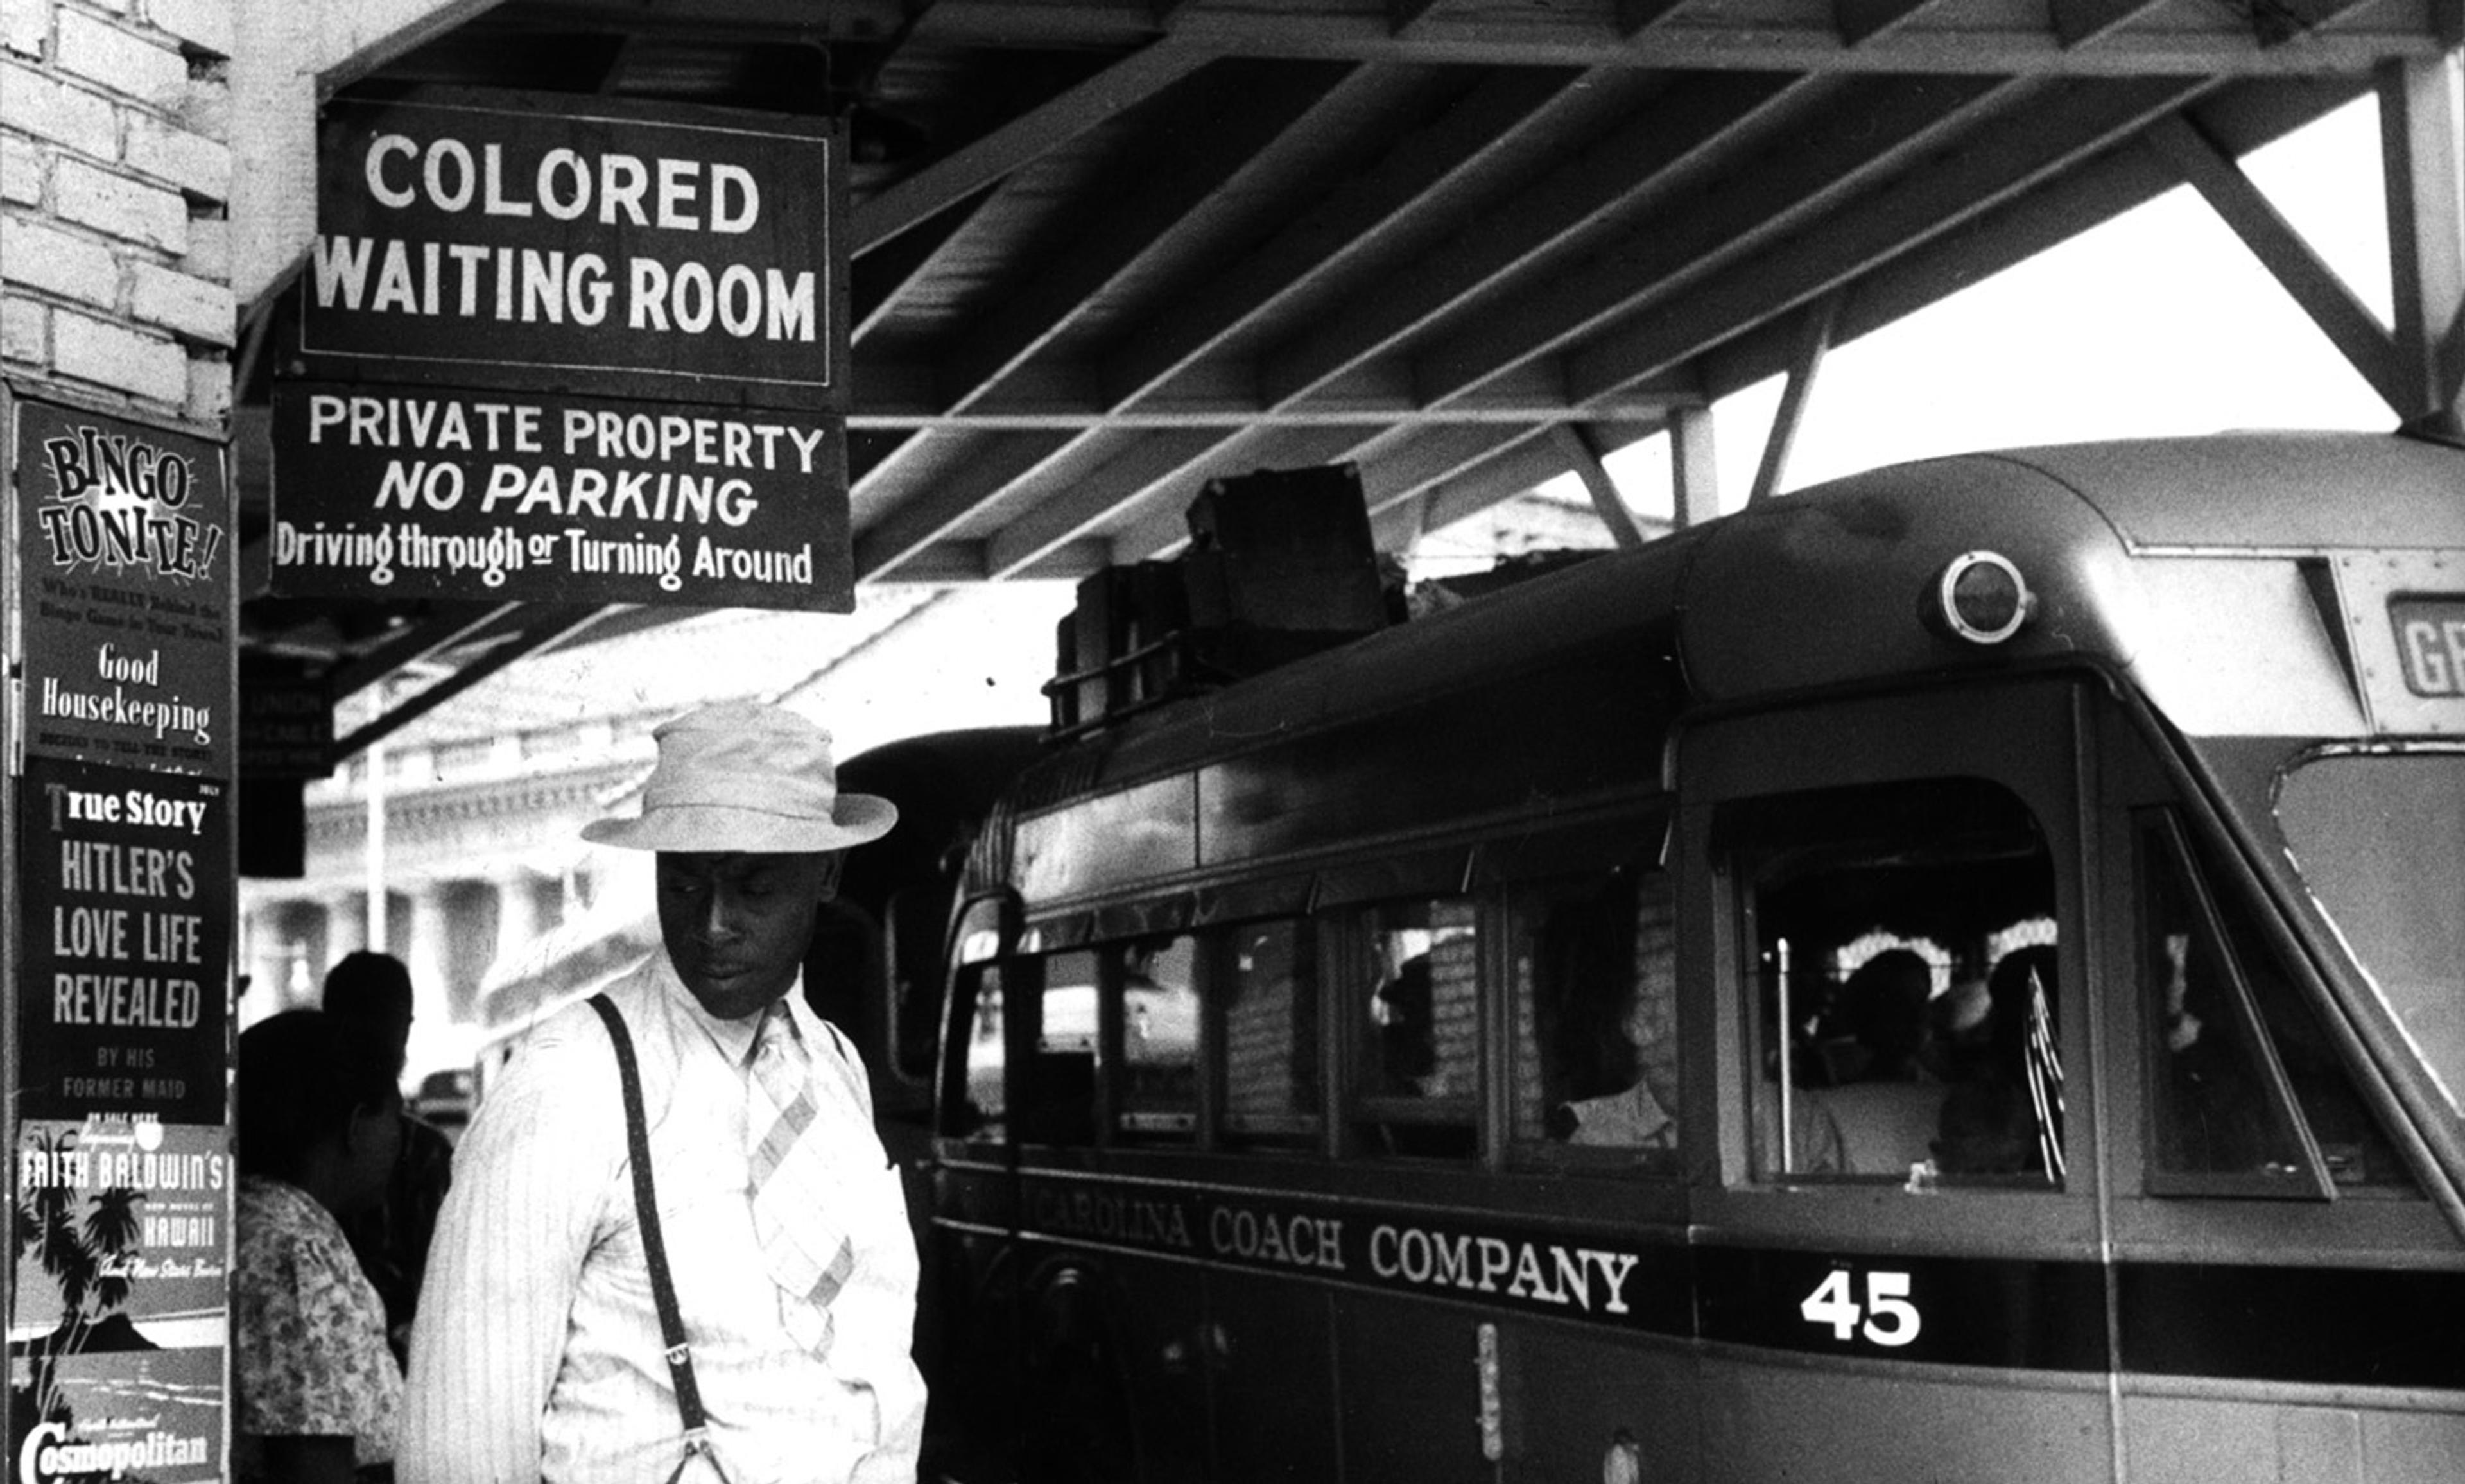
x=115 y=178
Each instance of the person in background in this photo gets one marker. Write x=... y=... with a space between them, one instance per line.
x=1888 y=1115
x=373 y=990
x=1634 y=1116
x=538 y=1358
x=316 y=1393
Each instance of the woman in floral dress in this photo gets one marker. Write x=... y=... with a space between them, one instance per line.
x=317 y=1389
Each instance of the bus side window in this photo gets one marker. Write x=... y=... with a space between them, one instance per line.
x=1876 y=919
x=984 y=1112
x=1418 y=1074
x=2244 y=1086
x=1157 y=1009
x=1595 y=996
x=1055 y=1103
x=1271 y=1038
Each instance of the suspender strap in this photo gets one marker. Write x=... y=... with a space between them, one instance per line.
x=654 y=1247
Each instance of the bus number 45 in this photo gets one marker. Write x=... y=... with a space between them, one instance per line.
x=1890 y=1319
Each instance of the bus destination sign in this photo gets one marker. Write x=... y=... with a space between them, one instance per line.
x=2431 y=644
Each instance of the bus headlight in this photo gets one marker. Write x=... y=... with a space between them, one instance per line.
x=1981 y=597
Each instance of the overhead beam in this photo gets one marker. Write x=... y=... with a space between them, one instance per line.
x=1393 y=465
x=881 y=278
x=1354 y=224
x=1634 y=17
x=1052 y=395
x=1487 y=139
x=1402 y=469
x=2333 y=307
x=1560 y=211
x=1814 y=343
x=2418 y=145
x=963 y=561
x=2079 y=23
x=440 y=634
x=981 y=162
x=989 y=467
x=1153 y=202
x=1508 y=472
x=1861 y=21
x=1580 y=456
x=1794 y=184
x=2214 y=40
x=2030 y=147
x=2240 y=119
x=2217 y=44
x=1694 y=467
x=550 y=626
x=1148 y=464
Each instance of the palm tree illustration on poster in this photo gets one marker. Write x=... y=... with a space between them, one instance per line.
x=115 y=1347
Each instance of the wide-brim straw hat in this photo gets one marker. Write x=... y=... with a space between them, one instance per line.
x=742 y=777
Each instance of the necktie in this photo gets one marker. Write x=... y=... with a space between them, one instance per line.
x=804 y=1249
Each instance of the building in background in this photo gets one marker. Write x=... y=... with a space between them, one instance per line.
x=478 y=807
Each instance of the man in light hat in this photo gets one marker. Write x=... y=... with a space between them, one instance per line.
x=538 y=1354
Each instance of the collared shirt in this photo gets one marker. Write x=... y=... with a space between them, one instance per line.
x=537 y=1356
x=308 y=1333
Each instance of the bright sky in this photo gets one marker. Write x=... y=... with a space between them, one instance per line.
x=2158 y=322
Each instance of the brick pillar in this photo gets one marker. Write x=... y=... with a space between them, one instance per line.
x=114 y=175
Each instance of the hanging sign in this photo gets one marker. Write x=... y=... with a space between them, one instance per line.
x=124 y=535
x=568 y=351
x=427 y=493
x=556 y=243
x=286 y=719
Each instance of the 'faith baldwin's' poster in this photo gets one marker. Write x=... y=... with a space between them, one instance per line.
x=115 y=1352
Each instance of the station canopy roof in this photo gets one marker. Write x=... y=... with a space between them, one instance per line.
x=1107 y=250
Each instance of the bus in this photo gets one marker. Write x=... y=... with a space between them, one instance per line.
x=1957 y=973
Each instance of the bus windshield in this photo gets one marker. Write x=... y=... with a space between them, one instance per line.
x=2380 y=837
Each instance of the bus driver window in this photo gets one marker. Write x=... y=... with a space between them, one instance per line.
x=2247 y=1096
x=1875 y=921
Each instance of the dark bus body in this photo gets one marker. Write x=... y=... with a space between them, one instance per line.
x=1956 y=974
